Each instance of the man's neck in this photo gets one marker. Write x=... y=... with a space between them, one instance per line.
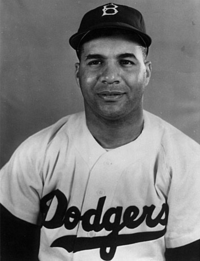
x=115 y=133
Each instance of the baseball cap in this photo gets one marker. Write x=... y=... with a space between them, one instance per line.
x=111 y=16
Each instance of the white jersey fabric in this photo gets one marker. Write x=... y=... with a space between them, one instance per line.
x=129 y=203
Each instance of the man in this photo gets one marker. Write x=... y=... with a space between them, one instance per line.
x=111 y=183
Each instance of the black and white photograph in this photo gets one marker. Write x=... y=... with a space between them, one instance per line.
x=99 y=130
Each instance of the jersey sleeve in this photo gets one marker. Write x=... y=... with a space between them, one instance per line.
x=22 y=179
x=21 y=182
x=184 y=204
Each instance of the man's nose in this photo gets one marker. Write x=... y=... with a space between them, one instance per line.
x=110 y=74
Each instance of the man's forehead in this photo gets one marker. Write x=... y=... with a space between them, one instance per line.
x=111 y=45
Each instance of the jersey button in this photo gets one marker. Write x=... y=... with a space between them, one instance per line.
x=100 y=192
x=91 y=234
x=108 y=163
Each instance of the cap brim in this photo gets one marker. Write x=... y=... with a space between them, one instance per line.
x=76 y=39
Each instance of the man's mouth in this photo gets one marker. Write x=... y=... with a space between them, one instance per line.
x=111 y=95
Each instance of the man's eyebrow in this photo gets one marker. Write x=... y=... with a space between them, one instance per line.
x=127 y=55
x=119 y=56
x=94 y=56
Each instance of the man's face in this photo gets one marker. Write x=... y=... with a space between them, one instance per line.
x=112 y=75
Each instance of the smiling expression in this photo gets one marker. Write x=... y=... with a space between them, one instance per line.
x=112 y=75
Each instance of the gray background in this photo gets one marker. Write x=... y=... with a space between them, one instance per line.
x=37 y=64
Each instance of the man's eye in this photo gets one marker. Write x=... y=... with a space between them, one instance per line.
x=95 y=62
x=126 y=63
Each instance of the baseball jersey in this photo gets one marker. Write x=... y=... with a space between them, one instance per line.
x=128 y=203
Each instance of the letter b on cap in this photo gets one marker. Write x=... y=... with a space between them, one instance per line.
x=110 y=9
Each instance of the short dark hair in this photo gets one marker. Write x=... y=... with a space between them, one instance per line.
x=112 y=32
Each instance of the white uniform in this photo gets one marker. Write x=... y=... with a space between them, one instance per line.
x=129 y=203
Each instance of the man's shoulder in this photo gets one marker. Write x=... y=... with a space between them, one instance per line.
x=175 y=144
x=63 y=125
x=171 y=138
x=58 y=133
x=166 y=127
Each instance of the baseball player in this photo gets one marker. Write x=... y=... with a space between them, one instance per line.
x=114 y=182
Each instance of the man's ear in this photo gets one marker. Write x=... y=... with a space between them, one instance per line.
x=77 y=66
x=148 y=71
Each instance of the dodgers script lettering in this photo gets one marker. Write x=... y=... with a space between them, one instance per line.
x=113 y=221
